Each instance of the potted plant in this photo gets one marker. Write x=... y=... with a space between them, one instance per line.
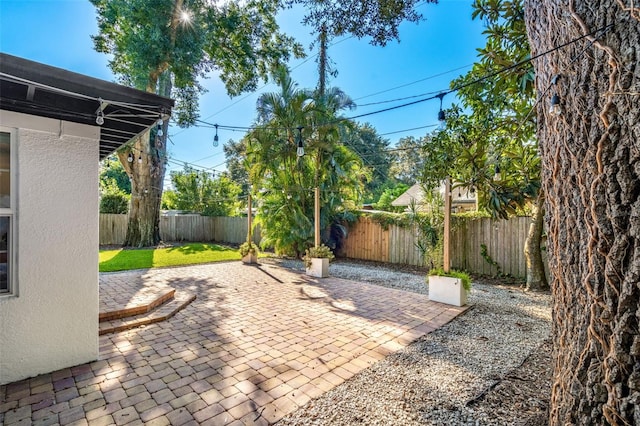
x=249 y=252
x=316 y=261
x=449 y=287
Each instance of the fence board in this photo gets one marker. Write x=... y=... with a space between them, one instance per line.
x=233 y=230
x=113 y=228
x=367 y=239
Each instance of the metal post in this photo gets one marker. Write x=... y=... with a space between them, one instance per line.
x=249 y=219
x=447 y=224
x=317 y=217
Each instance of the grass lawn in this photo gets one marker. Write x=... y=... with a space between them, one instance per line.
x=188 y=254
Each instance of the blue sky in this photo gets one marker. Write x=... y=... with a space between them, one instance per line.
x=57 y=33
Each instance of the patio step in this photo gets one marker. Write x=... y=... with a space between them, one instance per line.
x=139 y=308
x=159 y=312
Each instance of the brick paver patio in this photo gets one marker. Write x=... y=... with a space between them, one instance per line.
x=257 y=343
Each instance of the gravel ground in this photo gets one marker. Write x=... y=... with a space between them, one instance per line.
x=489 y=366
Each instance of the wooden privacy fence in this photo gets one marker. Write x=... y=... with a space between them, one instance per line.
x=233 y=230
x=367 y=239
x=504 y=240
x=113 y=228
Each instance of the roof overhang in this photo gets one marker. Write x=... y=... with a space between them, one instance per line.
x=37 y=89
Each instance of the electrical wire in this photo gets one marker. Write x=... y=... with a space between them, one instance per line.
x=265 y=85
x=439 y=95
x=408 y=130
x=409 y=84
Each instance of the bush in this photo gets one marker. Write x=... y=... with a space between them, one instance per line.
x=114 y=203
x=248 y=247
x=321 y=251
x=463 y=276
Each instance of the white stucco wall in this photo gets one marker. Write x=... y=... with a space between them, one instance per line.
x=52 y=322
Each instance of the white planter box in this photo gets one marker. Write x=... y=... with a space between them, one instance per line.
x=319 y=267
x=250 y=258
x=447 y=290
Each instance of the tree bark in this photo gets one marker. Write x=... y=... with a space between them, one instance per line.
x=149 y=154
x=591 y=177
x=146 y=172
x=322 y=62
x=536 y=278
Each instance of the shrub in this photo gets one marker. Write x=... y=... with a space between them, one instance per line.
x=463 y=276
x=117 y=203
x=321 y=251
x=248 y=248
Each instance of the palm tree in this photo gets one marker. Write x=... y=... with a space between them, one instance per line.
x=286 y=180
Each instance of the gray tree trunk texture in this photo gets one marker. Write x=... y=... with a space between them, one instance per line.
x=591 y=177
x=536 y=278
x=146 y=172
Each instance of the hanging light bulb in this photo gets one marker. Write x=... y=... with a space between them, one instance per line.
x=555 y=109
x=442 y=119
x=159 y=131
x=496 y=175
x=215 y=137
x=139 y=159
x=130 y=158
x=300 y=150
x=100 y=112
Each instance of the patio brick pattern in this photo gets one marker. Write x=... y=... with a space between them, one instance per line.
x=257 y=343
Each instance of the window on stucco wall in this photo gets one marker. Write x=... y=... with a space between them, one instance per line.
x=7 y=212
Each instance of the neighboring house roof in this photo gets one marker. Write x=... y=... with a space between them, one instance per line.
x=42 y=90
x=414 y=194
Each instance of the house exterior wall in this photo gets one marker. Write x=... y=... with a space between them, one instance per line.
x=52 y=321
x=462 y=199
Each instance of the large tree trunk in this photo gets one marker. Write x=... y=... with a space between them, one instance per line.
x=591 y=177
x=146 y=173
x=536 y=278
x=147 y=176
x=143 y=229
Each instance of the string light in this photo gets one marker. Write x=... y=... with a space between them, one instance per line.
x=139 y=159
x=100 y=113
x=215 y=137
x=441 y=116
x=441 y=113
x=555 y=100
x=159 y=131
x=130 y=158
x=555 y=109
x=496 y=175
x=300 y=150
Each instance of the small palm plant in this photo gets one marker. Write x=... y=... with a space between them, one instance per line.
x=248 y=248
x=322 y=252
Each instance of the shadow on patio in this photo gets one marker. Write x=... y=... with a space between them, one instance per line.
x=257 y=343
